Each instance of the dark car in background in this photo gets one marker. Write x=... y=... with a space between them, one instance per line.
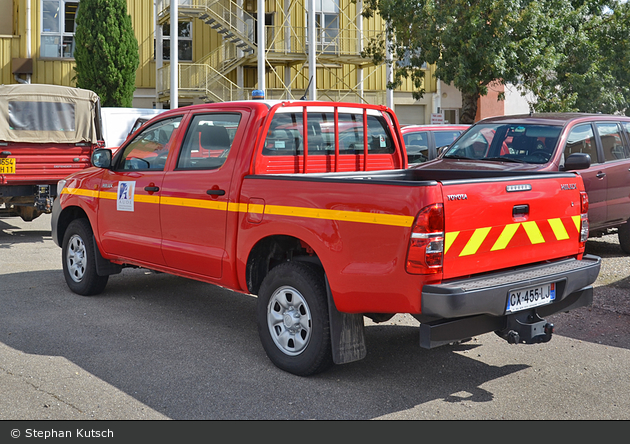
x=423 y=141
x=597 y=145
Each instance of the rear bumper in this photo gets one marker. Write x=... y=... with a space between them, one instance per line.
x=466 y=308
x=27 y=200
x=488 y=294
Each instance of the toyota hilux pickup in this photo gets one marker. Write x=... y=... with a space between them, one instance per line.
x=311 y=207
x=46 y=133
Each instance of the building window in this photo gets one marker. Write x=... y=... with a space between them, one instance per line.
x=184 y=42
x=327 y=21
x=58 y=27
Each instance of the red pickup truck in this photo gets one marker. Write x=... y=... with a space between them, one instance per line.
x=310 y=206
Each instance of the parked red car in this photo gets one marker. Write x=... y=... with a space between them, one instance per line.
x=596 y=144
x=422 y=141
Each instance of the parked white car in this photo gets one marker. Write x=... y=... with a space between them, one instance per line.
x=118 y=122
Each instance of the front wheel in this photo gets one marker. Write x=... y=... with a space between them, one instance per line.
x=79 y=259
x=293 y=321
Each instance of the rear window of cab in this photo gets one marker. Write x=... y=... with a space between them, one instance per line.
x=286 y=134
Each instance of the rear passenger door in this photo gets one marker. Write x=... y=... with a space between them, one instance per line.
x=616 y=166
x=581 y=139
x=196 y=193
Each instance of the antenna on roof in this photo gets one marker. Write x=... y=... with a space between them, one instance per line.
x=307 y=88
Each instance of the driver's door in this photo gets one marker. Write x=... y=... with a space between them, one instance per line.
x=129 y=213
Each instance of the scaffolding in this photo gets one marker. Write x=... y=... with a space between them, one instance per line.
x=342 y=73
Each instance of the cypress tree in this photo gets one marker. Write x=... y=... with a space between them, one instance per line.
x=106 y=51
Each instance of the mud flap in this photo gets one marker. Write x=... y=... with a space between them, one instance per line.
x=103 y=266
x=346 y=333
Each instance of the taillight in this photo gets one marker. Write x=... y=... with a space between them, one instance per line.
x=583 y=202
x=426 y=245
x=583 y=217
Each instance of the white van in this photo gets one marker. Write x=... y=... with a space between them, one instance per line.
x=117 y=122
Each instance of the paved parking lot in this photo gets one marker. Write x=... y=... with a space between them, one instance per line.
x=155 y=346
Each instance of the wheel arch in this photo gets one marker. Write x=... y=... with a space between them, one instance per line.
x=66 y=216
x=273 y=250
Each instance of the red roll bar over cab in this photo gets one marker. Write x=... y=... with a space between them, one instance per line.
x=310 y=206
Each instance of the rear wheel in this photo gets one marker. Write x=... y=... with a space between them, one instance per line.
x=292 y=317
x=79 y=259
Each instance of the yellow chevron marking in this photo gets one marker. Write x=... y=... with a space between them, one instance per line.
x=577 y=220
x=505 y=237
x=449 y=238
x=475 y=241
x=533 y=232
x=558 y=229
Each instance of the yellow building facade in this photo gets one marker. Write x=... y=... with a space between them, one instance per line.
x=218 y=52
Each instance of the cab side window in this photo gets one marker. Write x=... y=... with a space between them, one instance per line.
x=149 y=149
x=581 y=140
x=208 y=141
x=612 y=141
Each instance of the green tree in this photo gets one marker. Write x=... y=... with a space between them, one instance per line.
x=592 y=73
x=537 y=44
x=106 y=51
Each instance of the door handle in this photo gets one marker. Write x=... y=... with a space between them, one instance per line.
x=600 y=175
x=215 y=192
x=151 y=189
x=520 y=210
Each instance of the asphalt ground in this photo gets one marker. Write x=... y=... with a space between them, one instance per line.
x=159 y=347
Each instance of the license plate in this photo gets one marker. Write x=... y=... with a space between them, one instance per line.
x=7 y=165
x=531 y=297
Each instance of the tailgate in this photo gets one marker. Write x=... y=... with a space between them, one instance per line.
x=494 y=224
x=46 y=164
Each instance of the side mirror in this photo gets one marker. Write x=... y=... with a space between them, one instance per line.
x=577 y=161
x=102 y=158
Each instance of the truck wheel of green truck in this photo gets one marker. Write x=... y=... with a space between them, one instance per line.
x=293 y=321
x=79 y=261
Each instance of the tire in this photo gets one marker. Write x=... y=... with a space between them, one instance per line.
x=623 y=233
x=79 y=260
x=292 y=316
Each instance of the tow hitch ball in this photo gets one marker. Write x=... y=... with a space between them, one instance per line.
x=526 y=328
